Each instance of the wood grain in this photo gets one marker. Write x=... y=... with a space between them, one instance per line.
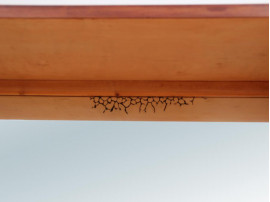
x=134 y=88
x=173 y=11
x=199 y=49
x=80 y=108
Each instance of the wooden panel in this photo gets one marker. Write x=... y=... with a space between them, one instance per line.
x=76 y=108
x=134 y=88
x=134 y=11
x=200 y=49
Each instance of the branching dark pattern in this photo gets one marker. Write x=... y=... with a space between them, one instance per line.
x=124 y=103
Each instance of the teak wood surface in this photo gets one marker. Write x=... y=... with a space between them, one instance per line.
x=251 y=89
x=216 y=49
x=162 y=11
x=53 y=58
x=80 y=108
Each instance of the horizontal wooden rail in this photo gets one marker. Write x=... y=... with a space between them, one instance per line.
x=81 y=108
x=134 y=88
x=172 y=11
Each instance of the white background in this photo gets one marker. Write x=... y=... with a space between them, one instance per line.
x=82 y=161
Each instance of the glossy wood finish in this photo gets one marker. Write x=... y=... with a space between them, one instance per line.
x=80 y=108
x=172 y=11
x=134 y=88
x=216 y=49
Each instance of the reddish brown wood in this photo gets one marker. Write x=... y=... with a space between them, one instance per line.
x=134 y=88
x=172 y=11
x=81 y=108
